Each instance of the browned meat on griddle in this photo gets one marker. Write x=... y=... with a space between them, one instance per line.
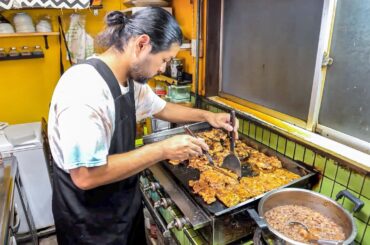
x=262 y=162
x=213 y=185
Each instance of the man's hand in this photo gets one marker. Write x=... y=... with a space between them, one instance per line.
x=182 y=147
x=222 y=120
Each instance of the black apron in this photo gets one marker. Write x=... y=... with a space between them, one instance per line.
x=108 y=214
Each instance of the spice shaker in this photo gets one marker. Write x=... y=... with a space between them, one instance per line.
x=2 y=52
x=13 y=52
x=25 y=51
x=37 y=50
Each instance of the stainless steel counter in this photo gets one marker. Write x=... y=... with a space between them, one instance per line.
x=8 y=170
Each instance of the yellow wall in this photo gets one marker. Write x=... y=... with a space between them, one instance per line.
x=26 y=85
x=185 y=12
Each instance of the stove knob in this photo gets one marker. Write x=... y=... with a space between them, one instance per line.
x=179 y=223
x=235 y=224
x=153 y=186
x=163 y=202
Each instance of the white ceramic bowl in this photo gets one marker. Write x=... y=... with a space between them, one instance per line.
x=6 y=28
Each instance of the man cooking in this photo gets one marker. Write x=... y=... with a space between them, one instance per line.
x=92 y=122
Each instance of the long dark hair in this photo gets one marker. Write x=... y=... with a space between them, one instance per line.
x=157 y=23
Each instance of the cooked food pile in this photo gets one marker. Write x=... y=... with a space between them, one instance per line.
x=213 y=185
x=282 y=219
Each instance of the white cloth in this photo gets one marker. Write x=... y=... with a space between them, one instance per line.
x=80 y=43
x=82 y=113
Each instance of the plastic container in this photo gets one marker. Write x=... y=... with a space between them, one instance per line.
x=159 y=125
x=179 y=93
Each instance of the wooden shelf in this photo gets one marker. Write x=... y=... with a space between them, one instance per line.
x=30 y=34
x=170 y=80
x=133 y=10
x=96 y=6
x=22 y=57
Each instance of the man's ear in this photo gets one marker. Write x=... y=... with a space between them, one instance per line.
x=142 y=45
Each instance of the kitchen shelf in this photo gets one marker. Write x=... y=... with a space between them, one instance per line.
x=169 y=80
x=32 y=34
x=96 y=6
x=133 y=10
x=29 y=34
x=136 y=3
x=22 y=57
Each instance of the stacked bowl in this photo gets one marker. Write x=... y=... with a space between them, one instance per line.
x=23 y=23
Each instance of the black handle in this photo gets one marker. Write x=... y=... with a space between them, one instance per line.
x=232 y=133
x=345 y=193
x=259 y=220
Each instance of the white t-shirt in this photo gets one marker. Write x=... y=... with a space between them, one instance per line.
x=82 y=116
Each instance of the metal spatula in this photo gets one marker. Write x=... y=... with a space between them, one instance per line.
x=231 y=161
x=210 y=160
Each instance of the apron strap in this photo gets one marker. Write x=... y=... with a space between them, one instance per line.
x=107 y=75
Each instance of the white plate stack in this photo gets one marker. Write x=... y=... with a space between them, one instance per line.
x=6 y=28
x=43 y=26
x=23 y=23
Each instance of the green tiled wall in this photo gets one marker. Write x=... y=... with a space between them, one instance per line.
x=333 y=177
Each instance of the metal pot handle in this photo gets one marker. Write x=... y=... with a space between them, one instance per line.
x=259 y=220
x=345 y=193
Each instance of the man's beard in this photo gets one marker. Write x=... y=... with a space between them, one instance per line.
x=138 y=72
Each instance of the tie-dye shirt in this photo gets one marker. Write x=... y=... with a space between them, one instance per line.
x=81 y=117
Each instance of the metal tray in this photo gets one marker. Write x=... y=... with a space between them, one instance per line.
x=183 y=174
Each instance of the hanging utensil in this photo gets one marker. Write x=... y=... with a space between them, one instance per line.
x=231 y=161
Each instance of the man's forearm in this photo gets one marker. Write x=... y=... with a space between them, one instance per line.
x=118 y=167
x=177 y=113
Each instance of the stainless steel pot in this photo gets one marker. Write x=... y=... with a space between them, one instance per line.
x=310 y=199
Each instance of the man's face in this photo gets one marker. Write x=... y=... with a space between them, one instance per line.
x=148 y=65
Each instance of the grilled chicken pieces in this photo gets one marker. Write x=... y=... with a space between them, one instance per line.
x=213 y=185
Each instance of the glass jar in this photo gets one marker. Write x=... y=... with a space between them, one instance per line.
x=2 y=52
x=13 y=52
x=37 y=50
x=25 y=51
x=175 y=62
x=180 y=71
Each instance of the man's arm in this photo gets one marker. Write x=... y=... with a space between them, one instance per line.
x=124 y=165
x=177 y=113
